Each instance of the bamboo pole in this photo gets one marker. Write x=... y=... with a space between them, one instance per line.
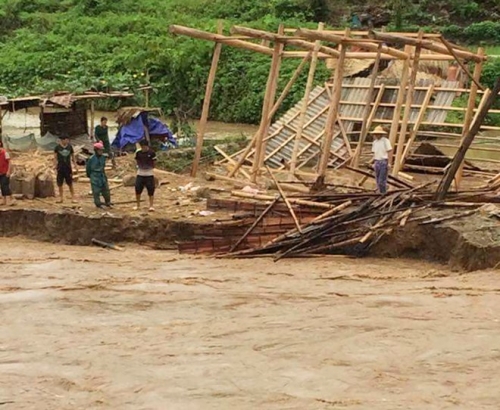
x=429 y=45
x=285 y=199
x=366 y=113
x=488 y=101
x=471 y=104
x=275 y=108
x=295 y=201
x=231 y=161
x=399 y=101
x=305 y=102
x=332 y=38
x=333 y=111
x=418 y=122
x=462 y=65
x=407 y=110
x=256 y=222
x=204 y=35
x=92 y=119
x=206 y=102
x=269 y=96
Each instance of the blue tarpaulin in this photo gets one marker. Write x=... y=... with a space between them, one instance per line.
x=134 y=132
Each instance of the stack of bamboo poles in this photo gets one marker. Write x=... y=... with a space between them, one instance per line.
x=354 y=222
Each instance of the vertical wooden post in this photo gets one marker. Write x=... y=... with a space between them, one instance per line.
x=206 y=103
x=487 y=101
x=147 y=90
x=333 y=112
x=269 y=96
x=273 y=111
x=366 y=113
x=399 y=102
x=407 y=111
x=92 y=118
x=1 y=121
x=469 y=113
x=305 y=102
x=418 y=122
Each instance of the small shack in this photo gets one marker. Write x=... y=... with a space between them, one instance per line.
x=61 y=113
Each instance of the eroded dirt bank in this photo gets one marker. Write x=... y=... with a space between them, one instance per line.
x=468 y=244
x=85 y=328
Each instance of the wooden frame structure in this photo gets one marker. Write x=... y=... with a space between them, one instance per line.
x=327 y=116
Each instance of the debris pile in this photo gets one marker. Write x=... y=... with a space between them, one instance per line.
x=328 y=222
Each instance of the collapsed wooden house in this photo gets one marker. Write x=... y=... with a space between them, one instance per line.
x=340 y=113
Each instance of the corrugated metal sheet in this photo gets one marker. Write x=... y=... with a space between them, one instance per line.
x=354 y=97
x=282 y=133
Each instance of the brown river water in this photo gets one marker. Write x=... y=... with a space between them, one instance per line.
x=21 y=123
x=85 y=328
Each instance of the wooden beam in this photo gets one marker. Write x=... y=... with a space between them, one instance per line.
x=471 y=104
x=269 y=96
x=428 y=45
x=315 y=35
x=367 y=110
x=333 y=111
x=488 y=101
x=418 y=122
x=246 y=152
x=399 y=101
x=206 y=103
x=204 y=35
x=305 y=102
x=92 y=119
x=461 y=64
x=407 y=112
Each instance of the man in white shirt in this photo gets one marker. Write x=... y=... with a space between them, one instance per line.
x=382 y=157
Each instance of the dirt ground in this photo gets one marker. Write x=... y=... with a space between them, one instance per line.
x=86 y=328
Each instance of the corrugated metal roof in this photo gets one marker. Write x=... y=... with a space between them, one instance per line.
x=354 y=97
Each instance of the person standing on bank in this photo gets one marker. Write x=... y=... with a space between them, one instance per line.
x=382 y=157
x=101 y=134
x=64 y=157
x=145 y=158
x=98 y=180
x=5 y=171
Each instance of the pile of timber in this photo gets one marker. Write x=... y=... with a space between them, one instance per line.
x=328 y=222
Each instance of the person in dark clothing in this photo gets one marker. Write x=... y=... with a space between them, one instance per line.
x=101 y=134
x=145 y=158
x=64 y=157
x=98 y=180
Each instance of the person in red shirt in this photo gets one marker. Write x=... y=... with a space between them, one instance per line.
x=5 y=169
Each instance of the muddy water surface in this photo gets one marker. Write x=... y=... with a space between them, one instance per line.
x=84 y=328
x=22 y=123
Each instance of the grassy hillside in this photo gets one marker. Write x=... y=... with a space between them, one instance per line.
x=50 y=45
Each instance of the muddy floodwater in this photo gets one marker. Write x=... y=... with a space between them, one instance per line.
x=23 y=123
x=85 y=328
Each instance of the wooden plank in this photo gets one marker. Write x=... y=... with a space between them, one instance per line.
x=305 y=102
x=285 y=199
x=399 y=102
x=478 y=68
x=418 y=122
x=367 y=111
x=266 y=107
x=206 y=103
x=333 y=111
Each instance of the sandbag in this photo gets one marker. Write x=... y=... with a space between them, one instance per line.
x=44 y=185
x=23 y=182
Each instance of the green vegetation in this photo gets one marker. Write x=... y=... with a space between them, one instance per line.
x=48 y=45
